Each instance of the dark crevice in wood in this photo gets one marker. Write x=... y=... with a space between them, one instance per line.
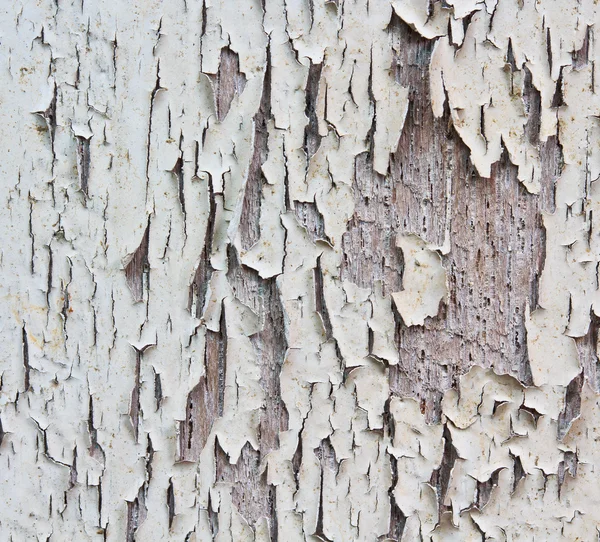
x=312 y=139
x=83 y=163
x=510 y=57
x=138 y=267
x=158 y=396
x=397 y=517
x=549 y=48
x=587 y=346
x=135 y=407
x=95 y=450
x=533 y=108
x=535 y=414
x=297 y=461
x=484 y=490
x=572 y=406
x=228 y=82
x=581 y=57
x=326 y=455
x=171 y=502
x=320 y=304
x=440 y=478
x=213 y=515
x=153 y=95
x=251 y=208
x=49 y=115
x=49 y=275
x=204 y=271
x=567 y=465
x=518 y=470
x=26 y=366
x=73 y=470
x=558 y=98
x=179 y=177
x=205 y=401
x=310 y=217
x=149 y=458
x=136 y=514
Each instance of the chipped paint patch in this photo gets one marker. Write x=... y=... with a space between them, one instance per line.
x=424 y=281
x=231 y=234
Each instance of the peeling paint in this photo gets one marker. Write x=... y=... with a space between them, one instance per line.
x=299 y=270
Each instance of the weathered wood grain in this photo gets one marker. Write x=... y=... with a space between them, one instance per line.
x=299 y=271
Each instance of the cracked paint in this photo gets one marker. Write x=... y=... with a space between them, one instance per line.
x=299 y=271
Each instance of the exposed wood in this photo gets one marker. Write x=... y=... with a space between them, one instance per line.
x=299 y=271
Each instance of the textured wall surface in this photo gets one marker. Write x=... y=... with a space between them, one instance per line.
x=299 y=270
